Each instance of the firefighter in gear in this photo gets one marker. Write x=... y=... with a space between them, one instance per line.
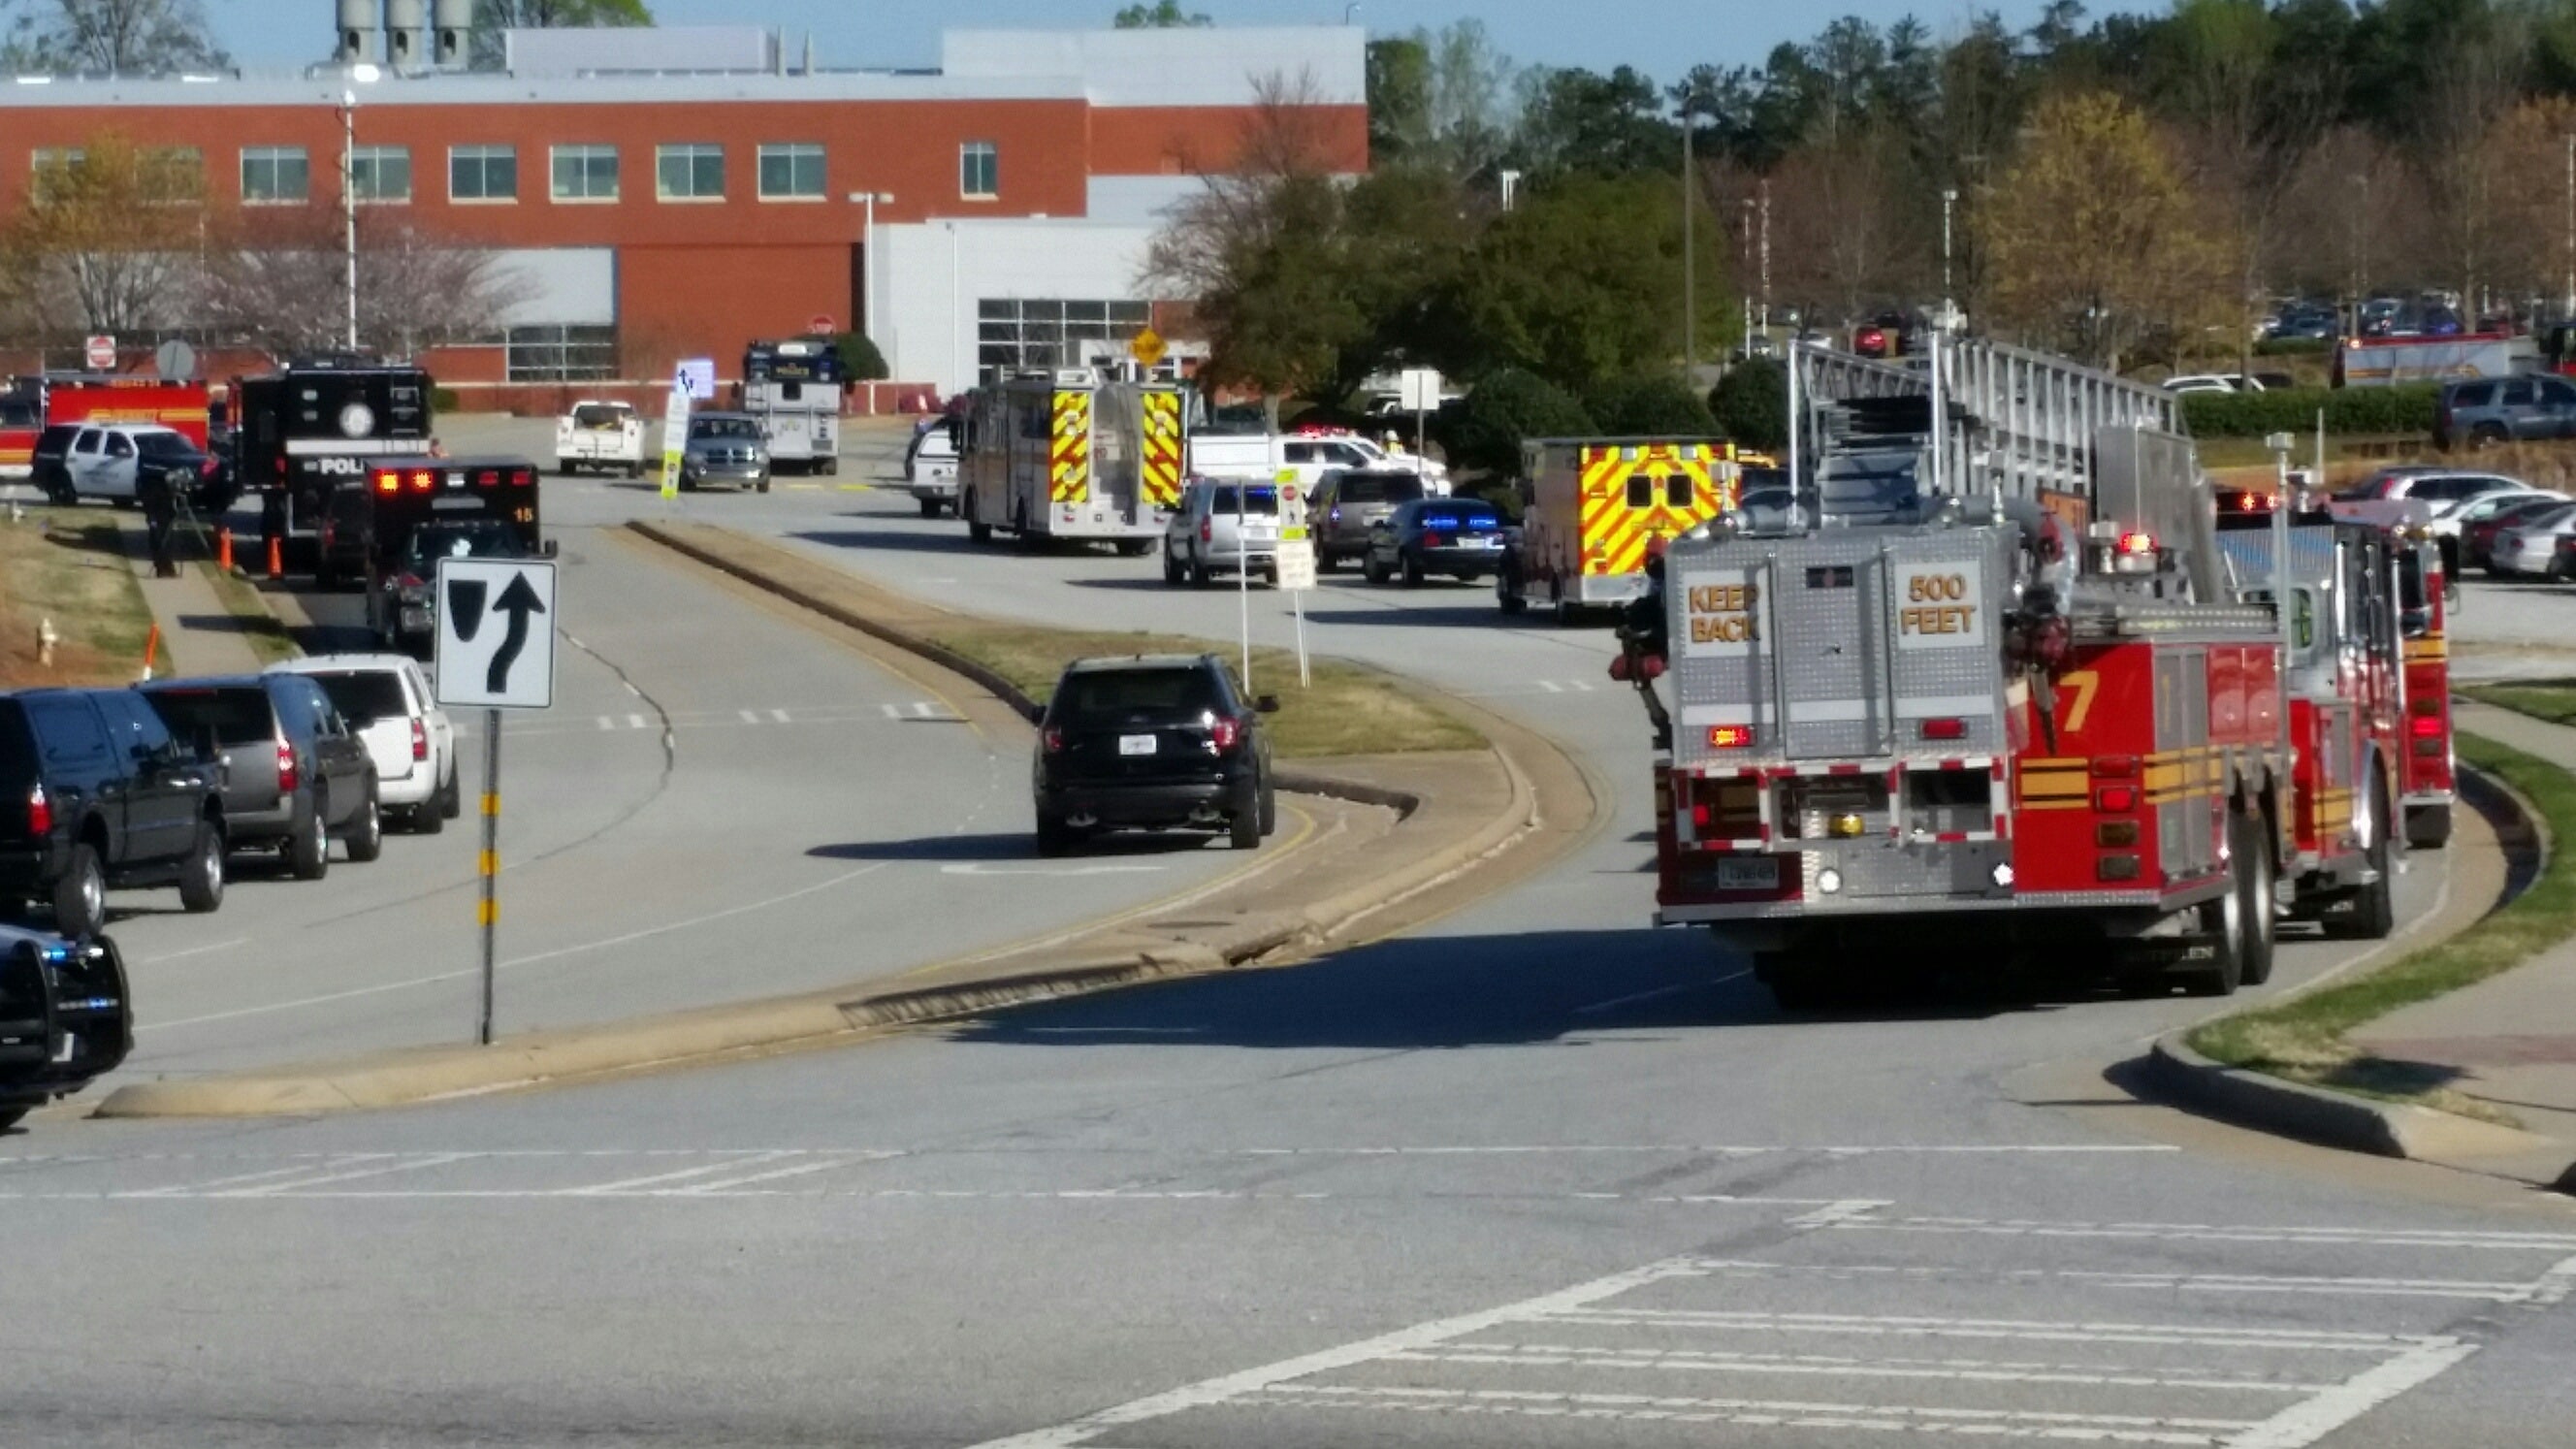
x=160 y=514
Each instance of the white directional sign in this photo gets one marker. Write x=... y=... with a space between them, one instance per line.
x=696 y=376
x=496 y=633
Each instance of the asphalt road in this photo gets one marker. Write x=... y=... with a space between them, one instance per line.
x=1533 y=1175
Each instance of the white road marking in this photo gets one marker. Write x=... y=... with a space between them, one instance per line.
x=1837 y=1213
x=630 y=1184
x=2552 y=1287
x=577 y=644
x=2176 y=1282
x=635 y=721
x=891 y=712
x=606 y=723
x=191 y=951
x=802 y=1169
x=1631 y=999
x=923 y=710
x=2306 y=1422
x=780 y=715
x=2036 y=1330
x=1422 y=1335
x=749 y=716
x=2206 y=1232
x=194 y=1189
x=1551 y=686
x=1792 y=1413
x=1964 y=1370
x=272 y=1189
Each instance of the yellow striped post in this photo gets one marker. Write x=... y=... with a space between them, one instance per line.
x=487 y=910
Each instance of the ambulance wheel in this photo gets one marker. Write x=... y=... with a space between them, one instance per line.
x=2428 y=827
x=2246 y=843
x=565 y=468
x=1568 y=613
x=829 y=467
x=2374 y=906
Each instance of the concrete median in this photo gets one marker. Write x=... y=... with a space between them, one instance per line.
x=1410 y=837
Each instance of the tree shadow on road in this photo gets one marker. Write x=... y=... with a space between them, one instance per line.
x=1595 y=989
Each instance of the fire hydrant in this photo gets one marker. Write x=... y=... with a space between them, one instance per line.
x=46 y=639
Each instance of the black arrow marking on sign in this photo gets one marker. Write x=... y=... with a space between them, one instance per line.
x=518 y=601
x=465 y=606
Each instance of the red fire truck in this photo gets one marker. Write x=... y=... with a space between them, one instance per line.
x=33 y=404
x=1990 y=691
x=2428 y=786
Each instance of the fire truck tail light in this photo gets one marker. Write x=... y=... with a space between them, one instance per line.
x=2116 y=867
x=2115 y=767
x=1945 y=729
x=2425 y=726
x=523 y=478
x=2115 y=833
x=2135 y=553
x=2427 y=704
x=1730 y=737
x=1700 y=816
x=2113 y=799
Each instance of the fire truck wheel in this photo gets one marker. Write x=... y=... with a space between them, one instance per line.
x=2246 y=842
x=2374 y=907
x=1134 y=547
x=1796 y=983
x=2224 y=920
x=2428 y=827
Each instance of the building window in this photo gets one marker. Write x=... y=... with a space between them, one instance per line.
x=791 y=171
x=585 y=173
x=979 y=169
x=380 y=173
x=53 y=164
x=1012 y=334
x=561 y=354
x=689 y=172
x=482 y=173
x=275 y=174
x=174 y=173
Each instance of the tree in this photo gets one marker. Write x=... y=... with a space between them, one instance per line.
x=1656 y=405
x=278 y=280
x=106 y=240
x=1751 y=403
x=860 y=359
x=1505 y=409
x=116 y=37
x=1161 y=15
x=1399 y=99
x=1613 y=125
x=2093 y=240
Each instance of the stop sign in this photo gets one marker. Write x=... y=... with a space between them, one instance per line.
x=821 y=325
x=102 y=354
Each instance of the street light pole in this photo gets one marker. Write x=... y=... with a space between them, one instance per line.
x=1949 y=309
x=1690 y=253
x=349 y=202
x=2570 y=298
x=1766 y=254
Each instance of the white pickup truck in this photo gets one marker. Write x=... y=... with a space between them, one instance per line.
x=605 y=435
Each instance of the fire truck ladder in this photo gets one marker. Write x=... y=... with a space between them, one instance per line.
x=2004 y=420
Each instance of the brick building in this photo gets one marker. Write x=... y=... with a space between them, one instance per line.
x=655 y=194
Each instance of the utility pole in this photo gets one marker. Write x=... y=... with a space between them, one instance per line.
x=1744 y=262
x=349 y=202
x=1949 y=309
x=1766 y=254
x=2570 y=298
x=1690 y=252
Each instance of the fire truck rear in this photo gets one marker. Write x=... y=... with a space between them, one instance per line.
x=1985 y=693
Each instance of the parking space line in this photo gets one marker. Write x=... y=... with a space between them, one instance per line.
x=802 y=1169
x=630 y=1184
x=2310 y=1420
x=1792 y=1413
x=749 y=716
x=434 y=1159
x=2207 y=1232
x=2035 y=1330
x=1547 y=1355
x=780 y=715
x=2112 y=1278
x=199 y=1189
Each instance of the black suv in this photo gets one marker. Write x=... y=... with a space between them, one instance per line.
x=94 y=792
x=294 y=775
x=1158 y=742
x=65 y=1018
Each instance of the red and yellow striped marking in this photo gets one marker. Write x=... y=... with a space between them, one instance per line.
x=1069 y=462
x=1159 y=474
x=1614 y=534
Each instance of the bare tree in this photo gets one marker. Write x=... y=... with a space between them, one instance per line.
x=283 y=285
x=107 y=240
x=117 y=37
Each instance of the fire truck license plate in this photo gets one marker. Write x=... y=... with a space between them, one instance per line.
x=1760 y=873
x=1136 y=744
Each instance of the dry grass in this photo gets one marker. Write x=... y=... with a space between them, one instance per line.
x=1348 y=710
x=69 y=566
x=260 y=627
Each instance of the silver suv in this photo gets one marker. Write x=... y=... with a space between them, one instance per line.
x=1222 y=525
x=727 y=448
x=1350 y=503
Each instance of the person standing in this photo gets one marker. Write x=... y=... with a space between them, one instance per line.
x=160 y=515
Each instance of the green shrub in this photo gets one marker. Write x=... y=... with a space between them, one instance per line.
x=860 y=360
x=1507 y=406
x=2291 y=346
x=1751 y=403
x=444 y=400
x=1651 y=407
x=2406 y=409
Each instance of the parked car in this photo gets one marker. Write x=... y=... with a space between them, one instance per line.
x=2192 y=382
x=1222 y=526
x=96 y=794
x=1157 y=741
x=1460 y=537
x=109 y=462
x=2484 y=410
x=727 y=448
x=2529 y=548
x=294 y=776
x=2480 y=519
x=597 y=434
x=2416 y=483
x=66 y=1018
x=1347 y=504
x=930 y=467
x=387 y=700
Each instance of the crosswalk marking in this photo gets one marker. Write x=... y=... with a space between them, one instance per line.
x=780 y=715
x=748 y=716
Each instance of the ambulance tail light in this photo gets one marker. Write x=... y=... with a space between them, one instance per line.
x=1730 y=737
x=1945 y=729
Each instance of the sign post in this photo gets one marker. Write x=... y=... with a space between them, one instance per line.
x=100 y=353
x=1418 y=390
x=1296 y=565
x=496 y=652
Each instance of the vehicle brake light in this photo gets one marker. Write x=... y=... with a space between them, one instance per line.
x=419 y=740
x=522 y=477
x=40 y=812
x=2137 y=545
x=286 y=773
x=1207 y=530
x=1053 y=739
x=1730 y=737
x=409 y=581
x=1435 y=540
x=207 y=467
x=2424 y=726
x=1945 y=729
x=488 y=478
x=422 y=480
x=388 y=483
x=1226 y=733
x=2115 y=798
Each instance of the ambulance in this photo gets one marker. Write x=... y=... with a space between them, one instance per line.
x=1591 y=506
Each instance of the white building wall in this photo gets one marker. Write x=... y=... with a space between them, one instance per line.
x=931 y=275
x=1183 y=66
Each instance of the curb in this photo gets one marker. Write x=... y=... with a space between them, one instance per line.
x=427 y=1074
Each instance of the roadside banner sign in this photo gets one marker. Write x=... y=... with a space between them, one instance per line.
x=100 y=353
x=697 y=378
x=1296 y=564
x=675 y=431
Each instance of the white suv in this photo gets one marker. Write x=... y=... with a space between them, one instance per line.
x=1223 y=524
x=387 y=699
x=107 y=461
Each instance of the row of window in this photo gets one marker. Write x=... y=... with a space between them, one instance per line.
x=687 y=171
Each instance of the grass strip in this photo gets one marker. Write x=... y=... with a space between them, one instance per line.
x=69 y=566
x=260 y=627
x=2551 y=699
x=2303 y=1039
x=1348 y=709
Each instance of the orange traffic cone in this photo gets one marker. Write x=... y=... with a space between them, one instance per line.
x=223 y=548
x=276 y=558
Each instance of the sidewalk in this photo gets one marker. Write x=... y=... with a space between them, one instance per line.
x=2509 y=1041
x=198 y=634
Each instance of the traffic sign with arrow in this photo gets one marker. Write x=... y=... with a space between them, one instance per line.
x=496 y=633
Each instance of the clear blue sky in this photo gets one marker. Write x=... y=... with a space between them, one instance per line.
x=1661 y=37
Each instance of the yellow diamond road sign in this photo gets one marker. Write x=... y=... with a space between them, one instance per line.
x=1147 y=347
